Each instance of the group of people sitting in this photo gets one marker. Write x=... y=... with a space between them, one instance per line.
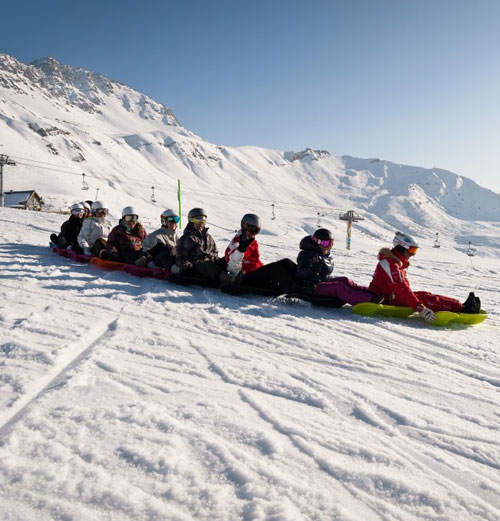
x=194 y=255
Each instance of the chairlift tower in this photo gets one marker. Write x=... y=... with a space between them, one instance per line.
x=351 y=217
x=4 y=160
x=436 y=241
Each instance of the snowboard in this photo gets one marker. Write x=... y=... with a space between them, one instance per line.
x=443 y=318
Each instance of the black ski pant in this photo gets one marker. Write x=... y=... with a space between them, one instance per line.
x=211 y=269
x=99 y=244
x=279 y=276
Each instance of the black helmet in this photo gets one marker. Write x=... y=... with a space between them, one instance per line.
x=251 y=220
x=196 y=212
x=323 y=237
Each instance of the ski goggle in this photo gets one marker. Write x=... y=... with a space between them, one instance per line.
x=324 y=244
x=101 y=211
x=129 y=218
x=412 y=250
x=77 y=211
x=172 y=219
x=199 y=219
x=254 y=230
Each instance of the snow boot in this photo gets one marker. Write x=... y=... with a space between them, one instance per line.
x=378 y=299
x=472 y=304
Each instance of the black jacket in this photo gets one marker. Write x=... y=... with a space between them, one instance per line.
x=70 y=230
x=195 y=246
x=313 y=266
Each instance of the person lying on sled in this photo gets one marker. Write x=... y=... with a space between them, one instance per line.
x=315 y=268
x=391 y=280
x=159 y=247
x=125 y=240
x=196 y=250
x=70 y=229
x=244 y=266
x=95 y=230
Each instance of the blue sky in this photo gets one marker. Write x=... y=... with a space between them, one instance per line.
x=410 y=81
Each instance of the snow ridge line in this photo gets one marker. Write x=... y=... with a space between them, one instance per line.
x=73 y=356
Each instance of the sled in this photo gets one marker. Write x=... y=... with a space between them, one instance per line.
x=315 y=300
x=237 y=290
x=79 y=257
x=137 y=271
x=191 y=280
x=369 y=309
x=443 y=318
x=60 y=251
x=106 y=264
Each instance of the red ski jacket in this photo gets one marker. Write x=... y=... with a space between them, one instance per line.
x=237 y=261
x=390 y=280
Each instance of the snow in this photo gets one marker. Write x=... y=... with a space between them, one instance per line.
x=134 y=399
x=126 y=398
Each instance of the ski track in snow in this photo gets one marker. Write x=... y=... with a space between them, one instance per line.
x=126 y=398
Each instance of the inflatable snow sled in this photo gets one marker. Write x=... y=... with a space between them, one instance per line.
x=107 y=264
x=70 y=254
x=443 y=318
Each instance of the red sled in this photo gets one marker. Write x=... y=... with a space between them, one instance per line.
x=60 y=251
x=156 y=273
x=106 y=264
x=79 y=257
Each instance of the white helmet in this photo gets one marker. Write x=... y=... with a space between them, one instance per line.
x=404 y=240
x=168 y=215
x=99 y=205
x=129 y=210
x=77 y=206
x=85 y=205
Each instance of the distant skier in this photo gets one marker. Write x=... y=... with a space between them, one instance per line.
x=315 y=268
x=95 y=230
x=390 y=279
x=196 y=249
x=70 y=229
x=159 y=247
x=244 y=266
x=125 y=240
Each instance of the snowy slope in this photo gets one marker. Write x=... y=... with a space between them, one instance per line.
x=132 y=399
x=58 y=122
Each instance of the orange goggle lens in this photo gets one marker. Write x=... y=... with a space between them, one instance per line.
x=412 y=250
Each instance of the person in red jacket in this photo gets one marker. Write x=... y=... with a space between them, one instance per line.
x=244 y=266
x=390 y=279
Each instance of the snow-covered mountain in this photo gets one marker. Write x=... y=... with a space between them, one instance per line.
x=58 y=122
x=129 y=399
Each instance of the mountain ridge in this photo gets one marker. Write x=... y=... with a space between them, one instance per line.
x=68 y=116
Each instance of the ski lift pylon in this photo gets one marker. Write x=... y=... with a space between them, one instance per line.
x=273 y=216
x=153 y=199
x=85 y=186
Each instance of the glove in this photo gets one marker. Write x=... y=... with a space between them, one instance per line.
x=245 y=243
x=427 y=314
x=185 y=266
x=87 y=251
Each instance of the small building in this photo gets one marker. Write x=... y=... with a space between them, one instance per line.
x=27 y=200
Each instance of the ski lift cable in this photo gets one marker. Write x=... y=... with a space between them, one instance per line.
x=292 y=206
